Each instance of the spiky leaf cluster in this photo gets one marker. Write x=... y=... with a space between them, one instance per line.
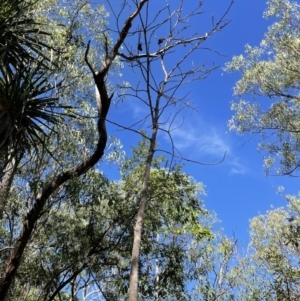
x=28 y=104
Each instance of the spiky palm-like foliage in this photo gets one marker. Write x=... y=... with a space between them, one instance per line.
x=21 y=38
x=28 y=107
x=28 y=102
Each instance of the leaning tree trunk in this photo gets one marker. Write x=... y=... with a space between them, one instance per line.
x=103 y=105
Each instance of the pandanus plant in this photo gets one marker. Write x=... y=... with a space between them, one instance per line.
x=28 y=107
x=22 y=40
x=28 y=95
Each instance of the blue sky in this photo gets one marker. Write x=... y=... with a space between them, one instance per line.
x=237 y=189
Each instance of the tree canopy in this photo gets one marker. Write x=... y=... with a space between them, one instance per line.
x=68 y=231
x=58 y=61
x=270 y=71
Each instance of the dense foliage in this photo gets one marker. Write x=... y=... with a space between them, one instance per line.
x=270 y=71
x=67 y=231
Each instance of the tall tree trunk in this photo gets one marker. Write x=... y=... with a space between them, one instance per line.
x=133 y=285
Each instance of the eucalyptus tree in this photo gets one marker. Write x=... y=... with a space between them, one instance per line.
x=161 y=51
x=218 y=267
x=173 y=221
x=84 y=237
x=271 y=72
x=274 y=252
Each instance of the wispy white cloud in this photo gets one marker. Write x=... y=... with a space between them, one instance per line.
x=204 y=141
x=237 y=168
